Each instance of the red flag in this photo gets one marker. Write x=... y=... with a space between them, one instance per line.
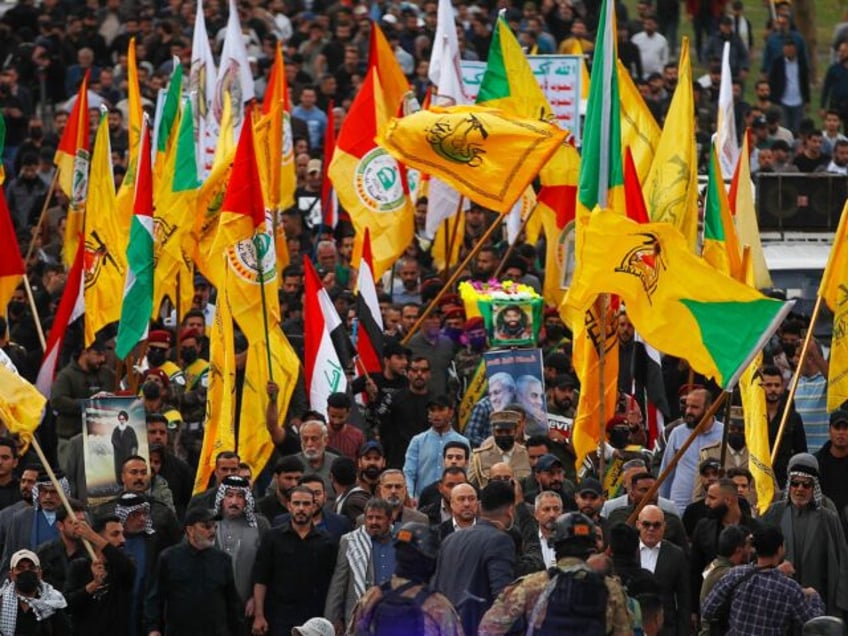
x=636 y=209
x=244 y=191
x=12 y=266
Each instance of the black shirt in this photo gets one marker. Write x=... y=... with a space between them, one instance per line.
x=297 y=573
x=401 y=416
x=194 y=592
x=10 y=493
x=108 y=610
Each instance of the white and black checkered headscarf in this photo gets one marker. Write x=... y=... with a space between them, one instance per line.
x=43 y=479
x=234 y=482
x=804 y=466
x=128 y=503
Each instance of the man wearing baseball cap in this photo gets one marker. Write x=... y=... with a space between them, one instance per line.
x=39 y=607
x=833 y=467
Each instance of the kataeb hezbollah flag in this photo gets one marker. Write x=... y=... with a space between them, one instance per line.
x=678 y=302
x=834 y=291
x=21 y=405
x=756 y=433
x=484 y=153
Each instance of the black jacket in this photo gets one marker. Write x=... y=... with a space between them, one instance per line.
x=107 y=611
x=194 y=594
x=777 y=78
x=794 y=441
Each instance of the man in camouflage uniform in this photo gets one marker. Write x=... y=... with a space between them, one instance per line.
x=515 y=610
x=416 y=549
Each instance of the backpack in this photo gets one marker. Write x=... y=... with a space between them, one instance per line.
x=396 y=614
x=576 y=604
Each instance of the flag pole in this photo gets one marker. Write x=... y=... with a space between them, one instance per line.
x=511 y=248
x=59 y=491
x=454 y=232
x=456 y=274
x=41 y=216
x=260 y=262
x=793 y=386
x=446 y=239
x=727 y=410
x=602 y=460
x=35 y=317
x=708 y=416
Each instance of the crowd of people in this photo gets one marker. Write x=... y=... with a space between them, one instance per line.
x=390 y=509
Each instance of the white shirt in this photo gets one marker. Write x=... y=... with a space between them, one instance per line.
x=548 y=553
x=457 y=527
x=654 y=51
x=792 y=92
x=648 y=556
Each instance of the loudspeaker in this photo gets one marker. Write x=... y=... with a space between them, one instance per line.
x=800 y=202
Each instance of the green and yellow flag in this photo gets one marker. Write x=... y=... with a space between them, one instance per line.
x=677 y=301
x=483 y=153
x=721 y=245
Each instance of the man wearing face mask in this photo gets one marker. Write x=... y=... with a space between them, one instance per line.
x=158 y=345
x=196 y=370
x=28 y=605
x=723 y=510
x=473 y=344
x=500 y=447
x=619 y=449
x=211 y=601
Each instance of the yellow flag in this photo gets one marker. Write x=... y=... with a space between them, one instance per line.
x=452 y=229
x=126 y=191
x=590 y=337
x=671 y=189
x=483 y=153
x=834 y=291
x=756 y=433
x=21 y=405
x=639 y=130
x=106 y=232
x=220 y=404
x=741 y=197
x=175 y=202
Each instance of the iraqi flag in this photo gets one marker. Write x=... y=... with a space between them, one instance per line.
x=369 y=340
x=324 y=338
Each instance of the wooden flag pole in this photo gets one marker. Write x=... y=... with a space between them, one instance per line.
x=453 y=234
x=725 y=432
x=59 y=491
x=41 y=216
x=707 y=418
x=453 y=278
x=793 y=386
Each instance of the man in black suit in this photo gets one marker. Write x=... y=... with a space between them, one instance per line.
x=464 y=507
x=475 y=565
x=670 y=568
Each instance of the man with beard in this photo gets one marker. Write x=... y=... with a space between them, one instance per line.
x=815 y=541
x=548 y=508
x=433 y=345
x=27 y=481
x=392 y=488
x=287 y=474
x=678 y=486
x=562 y=401
x=440 y=511
x=501 y=447
x=501 y=394
x=403 y=414
x=293 y=569
x=211 y=600
x=366 y=557
x=409 y=289
x=464 y=507
x=99 y=593
x=794 y=439
x=124 y=443
x=314 y=456
x=57 y=555
x=342 y=436
x=723 y=510
x=330 y=523
x=85 y=376
x=708 y=474
x=239 y=531
x=833 y=467
x=549 y=475
x=589 y=498
x=30 y=527
x=356 y=483
x=378 y=385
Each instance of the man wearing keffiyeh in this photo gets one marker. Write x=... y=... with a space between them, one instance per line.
x=30 y=527
x=815 y=543
x=142 y=544
x=240 y=529
x=25 y=592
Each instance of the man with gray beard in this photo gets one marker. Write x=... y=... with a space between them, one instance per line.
x=239 y=530
x=314 y=456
